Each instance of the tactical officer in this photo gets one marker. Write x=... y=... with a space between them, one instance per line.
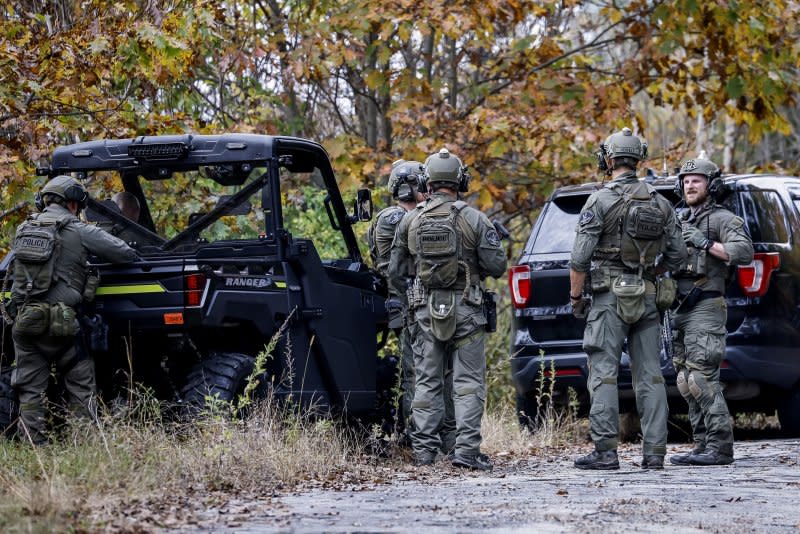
x=716 y=239
x=404 y=187
x=453 y=248
x=621 y=229
x=50 y=281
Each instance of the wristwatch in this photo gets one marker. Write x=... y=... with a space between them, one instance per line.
x=708 y=244
x=571 y=297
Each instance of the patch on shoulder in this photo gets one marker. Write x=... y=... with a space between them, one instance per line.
x=492 y=237
x=586 y=217
x=395 y=216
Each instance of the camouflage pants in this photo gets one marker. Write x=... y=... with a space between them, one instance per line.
x=602 y=340
x=699 y=348
x=31 y=375
x=465 y=353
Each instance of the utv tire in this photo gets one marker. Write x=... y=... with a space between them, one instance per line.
x=789 y=413
x=9 y=406
x=222 y=376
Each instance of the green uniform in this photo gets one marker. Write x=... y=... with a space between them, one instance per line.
x=699 y=330
x=599 y=245
x=35 y=354
x=479 y=254
x=380 y=237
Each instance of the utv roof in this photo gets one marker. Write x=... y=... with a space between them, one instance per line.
x=183 y=152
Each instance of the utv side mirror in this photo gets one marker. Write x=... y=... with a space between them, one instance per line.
x=363 y=206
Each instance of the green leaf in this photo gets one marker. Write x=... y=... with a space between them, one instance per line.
x=735 y=87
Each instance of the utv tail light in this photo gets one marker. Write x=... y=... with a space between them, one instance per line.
x=569 y=371
x=754 y=277
x=519 y=281
x=194 y=285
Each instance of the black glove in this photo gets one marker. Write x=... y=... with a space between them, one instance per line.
x=580 y=307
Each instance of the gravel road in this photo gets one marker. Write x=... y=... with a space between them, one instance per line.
x=758 y=493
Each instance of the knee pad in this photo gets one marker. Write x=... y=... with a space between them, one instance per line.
x=683 y=386
x=696 y=385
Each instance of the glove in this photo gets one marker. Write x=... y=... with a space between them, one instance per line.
x=694 y=237
x=579 y=307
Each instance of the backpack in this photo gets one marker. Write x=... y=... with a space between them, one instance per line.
x=438 y=243
x=641 y=225
x=36 y=250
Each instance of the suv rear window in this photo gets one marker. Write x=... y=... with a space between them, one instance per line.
x=765 y=216
x=557 y=230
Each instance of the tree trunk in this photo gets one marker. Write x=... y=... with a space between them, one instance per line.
x=729 y=140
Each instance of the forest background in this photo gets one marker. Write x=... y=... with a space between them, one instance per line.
x=522 y=90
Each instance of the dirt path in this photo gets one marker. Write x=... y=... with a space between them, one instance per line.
x=760 y=492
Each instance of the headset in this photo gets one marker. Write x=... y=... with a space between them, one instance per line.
x=717 y=188
x=75 y=192
x=406 y=191
x=464 y=178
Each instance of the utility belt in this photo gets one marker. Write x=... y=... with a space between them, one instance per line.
x=602 y=278
x=442 y=303
x=691 y=299
x=35 y=318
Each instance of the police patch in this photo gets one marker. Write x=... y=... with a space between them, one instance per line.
x=395 y=217
x=492 y=238
x=586 y=217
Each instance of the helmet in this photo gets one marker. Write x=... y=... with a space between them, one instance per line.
x=404 y=179
x=446 y=167
x=65 y=187
x=703 y=166
x=624 y=144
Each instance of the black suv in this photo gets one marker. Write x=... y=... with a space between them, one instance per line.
x=761 y=369
x=222 y=270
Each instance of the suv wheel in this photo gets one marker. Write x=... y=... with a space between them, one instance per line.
x=789 y=413
x=222 y=376
x=9 y=407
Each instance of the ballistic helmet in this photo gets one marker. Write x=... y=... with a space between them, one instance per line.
x=624 y=144
x=66 y=188
x=404 y=173
x=702 y=166
x=446 y=167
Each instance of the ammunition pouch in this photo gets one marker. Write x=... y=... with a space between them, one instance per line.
x=490 y=311
x=666 y=291
x=417 y=296
x=473 y=295
x=395 y=311
x=600 y=279
x=697 y=263
x=33 y=319
x=91 y=285
x=63 y=320
x=630 y=292
x=442 y=310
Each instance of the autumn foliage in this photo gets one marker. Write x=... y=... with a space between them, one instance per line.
x=523 y=90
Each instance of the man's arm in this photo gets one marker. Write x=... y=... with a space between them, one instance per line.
x=399 y=256
x=675 y=253
x=736 y=247
x=104 y=245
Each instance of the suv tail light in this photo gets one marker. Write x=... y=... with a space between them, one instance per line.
x=194 y=285
x=754 y=277
x=519 y=281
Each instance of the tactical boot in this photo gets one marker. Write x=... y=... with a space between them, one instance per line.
x=683 y=459
x=424 y=458
x=652 y=461
x=710 y=457
x=478 y=462
x=598 y=460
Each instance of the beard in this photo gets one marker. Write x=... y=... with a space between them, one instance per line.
x=699 y=199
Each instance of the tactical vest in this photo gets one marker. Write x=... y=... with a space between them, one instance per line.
x=435 y=241
x=699 y=262
x=37 y=247
x=634 y=229
x=381 y=234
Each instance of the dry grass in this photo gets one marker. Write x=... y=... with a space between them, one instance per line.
x=503 y=435
x=96 y=471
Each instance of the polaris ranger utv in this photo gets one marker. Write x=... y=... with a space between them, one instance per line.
x=220 y=273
